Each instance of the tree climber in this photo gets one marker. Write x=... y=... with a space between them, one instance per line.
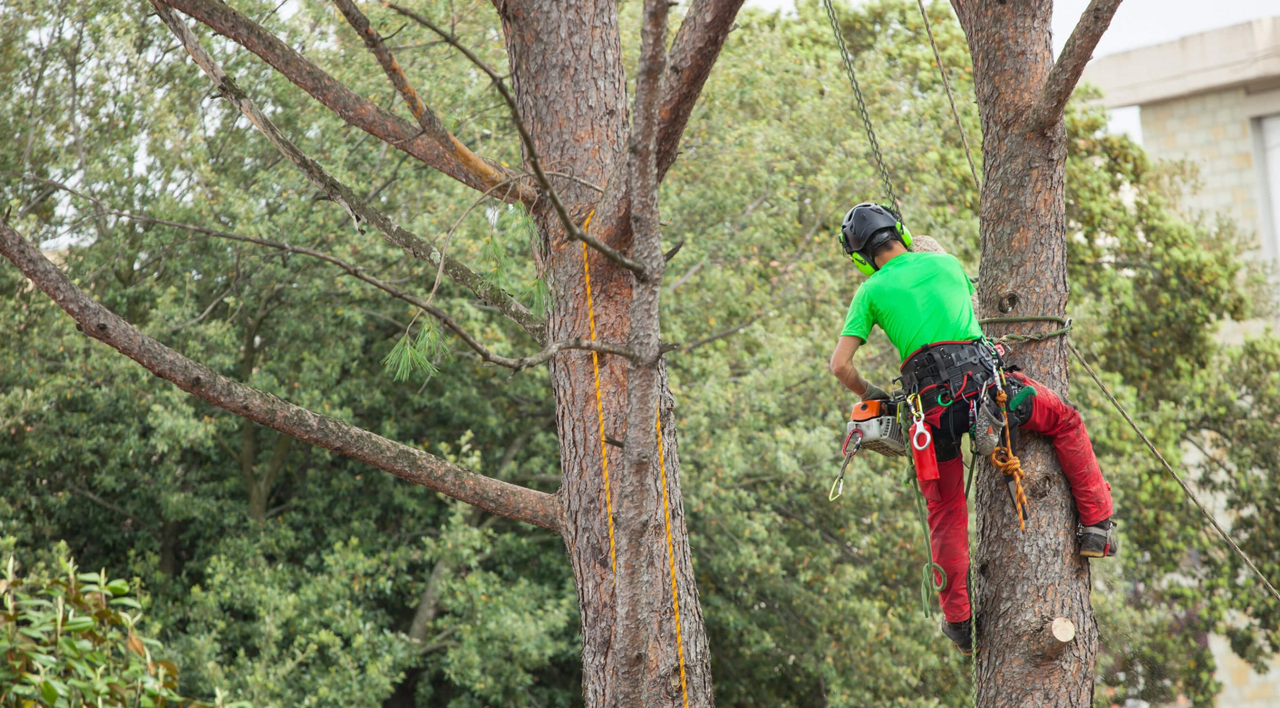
x=923 y=303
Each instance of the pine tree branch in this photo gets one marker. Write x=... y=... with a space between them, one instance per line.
x=1077 y=52
x=490 y=174
x=438 y=150
x=410 y=464
x=359 y=210
x=532 y=154
x=696 y=47
x=693 y=53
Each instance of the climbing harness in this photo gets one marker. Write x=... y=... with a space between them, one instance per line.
x=604 y=464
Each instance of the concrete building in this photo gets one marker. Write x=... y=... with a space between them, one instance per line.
x=1213 y=99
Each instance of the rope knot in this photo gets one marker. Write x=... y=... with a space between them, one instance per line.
x=1003 y=459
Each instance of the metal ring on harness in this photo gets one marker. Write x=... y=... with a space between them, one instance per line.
x=921 y=429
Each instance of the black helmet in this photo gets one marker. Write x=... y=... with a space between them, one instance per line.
x=866 y=227
x=863 y=222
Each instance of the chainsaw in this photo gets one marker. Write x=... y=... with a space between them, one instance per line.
x=873 y=425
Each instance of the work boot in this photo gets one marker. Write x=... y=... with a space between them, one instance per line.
x=960 y=634
x=1098 y=541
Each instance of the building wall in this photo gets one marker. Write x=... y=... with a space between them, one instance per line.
x=1242 y=687
x=1221 y=133
x=1212 y=130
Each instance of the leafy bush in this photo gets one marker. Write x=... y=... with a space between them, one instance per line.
x=69 y=640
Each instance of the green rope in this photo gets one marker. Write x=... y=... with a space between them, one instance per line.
x=1066 y=327
x=930 y=584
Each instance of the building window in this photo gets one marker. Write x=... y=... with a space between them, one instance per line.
x=1268 y=144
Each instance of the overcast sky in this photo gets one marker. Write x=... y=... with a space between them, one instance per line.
x=1140 y=23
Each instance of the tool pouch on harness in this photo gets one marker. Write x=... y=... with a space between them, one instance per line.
x=988 y=427
x=923 y=454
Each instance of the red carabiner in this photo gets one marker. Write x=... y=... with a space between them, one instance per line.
x=844 y=449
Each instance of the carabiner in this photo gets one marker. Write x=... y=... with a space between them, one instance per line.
x=837 y=487
x=856 y=446
x=916 y=408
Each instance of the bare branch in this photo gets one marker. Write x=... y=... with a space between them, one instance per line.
x=343 y=195
x=570 y=227
x=693 y=53
x=1071 y=62
x=487 y=172
x=349 y=105
x=410 y=464
x=359 y=273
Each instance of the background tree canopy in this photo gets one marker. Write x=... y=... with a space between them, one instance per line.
x=279 y=574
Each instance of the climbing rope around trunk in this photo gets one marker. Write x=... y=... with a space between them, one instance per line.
x=1063 y=332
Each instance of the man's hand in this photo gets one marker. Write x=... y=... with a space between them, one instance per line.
x=874 y=393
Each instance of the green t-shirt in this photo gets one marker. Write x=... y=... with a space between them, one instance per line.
x=917 y=299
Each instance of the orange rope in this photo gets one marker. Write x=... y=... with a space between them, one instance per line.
x=595 y=363
x=671 y=555
x=1008 y=463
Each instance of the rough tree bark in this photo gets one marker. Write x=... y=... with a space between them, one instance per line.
x=569 y=85
x=1025 y=580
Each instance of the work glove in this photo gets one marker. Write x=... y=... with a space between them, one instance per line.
x=874 y=393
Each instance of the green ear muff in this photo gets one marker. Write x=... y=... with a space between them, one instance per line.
x=905 y=234
x=861 y=263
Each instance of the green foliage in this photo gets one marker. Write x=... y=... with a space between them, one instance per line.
x=68 y=639
x=281 y=575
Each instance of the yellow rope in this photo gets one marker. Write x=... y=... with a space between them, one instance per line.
x=671 y=555
x=604 y=464
x=595 y=363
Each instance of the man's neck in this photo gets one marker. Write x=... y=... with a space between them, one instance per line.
x=882 y=259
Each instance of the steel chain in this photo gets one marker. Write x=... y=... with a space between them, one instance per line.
x=862 y=107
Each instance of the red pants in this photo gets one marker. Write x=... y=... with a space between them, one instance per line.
x=949 y=513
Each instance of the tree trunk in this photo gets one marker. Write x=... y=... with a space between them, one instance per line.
x=570 y=86
x=1024 y=580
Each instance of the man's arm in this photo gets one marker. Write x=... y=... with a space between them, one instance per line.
x=842 y=366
